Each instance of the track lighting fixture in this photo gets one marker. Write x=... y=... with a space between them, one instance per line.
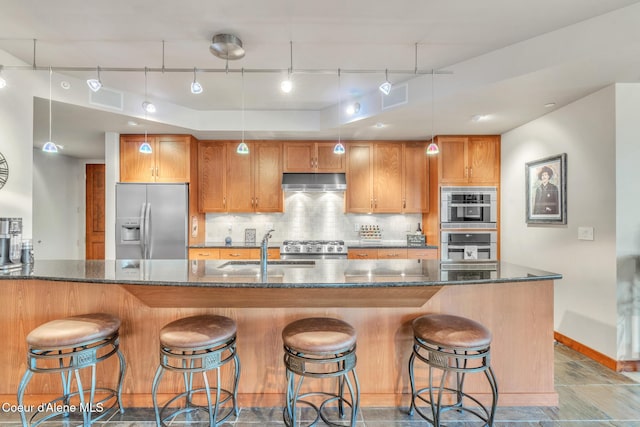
x=95 y=84
x=196 y=88
x=432 y=148
x=50 y=146
x=147 y=106
x=242 y=148
x=386 y=86
x=286 y=85
x=339 y=147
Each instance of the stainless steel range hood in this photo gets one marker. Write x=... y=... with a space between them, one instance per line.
x=311 y=182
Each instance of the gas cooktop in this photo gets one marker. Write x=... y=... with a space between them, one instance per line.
x=305 y=248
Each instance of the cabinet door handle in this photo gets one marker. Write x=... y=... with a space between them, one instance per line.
x=404 y=203
x=470 y=172
x=234 y=255
x=375 y=202
x=311 y=162
x=256 y=202
x=204 y=255
x=371 y=204
x=152 y=171
x=156 y=171
x=466 y=171
x=224 y=202
x=363 y=255
x=252 y=202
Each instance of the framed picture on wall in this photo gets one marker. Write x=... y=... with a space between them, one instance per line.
x=546 y=187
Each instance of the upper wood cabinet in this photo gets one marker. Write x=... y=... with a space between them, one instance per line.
x=212 y=176
x=469 y=159
x=386 y=177
x=254 y=180
x=169 y=160
x=312 y=157
x=416 y=178
x=233 y=182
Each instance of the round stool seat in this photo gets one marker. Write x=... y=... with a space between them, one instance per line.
x=205 y=330
x=319 y=335
x=74 y=331
x=445 y=330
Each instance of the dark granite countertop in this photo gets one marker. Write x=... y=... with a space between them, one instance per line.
x=383 y=244
x=321 y=273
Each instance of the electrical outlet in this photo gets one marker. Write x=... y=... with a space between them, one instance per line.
x=408 y=226
x=585 y=233
x=356 y=227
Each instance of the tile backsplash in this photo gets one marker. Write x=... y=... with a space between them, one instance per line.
x=309 y=216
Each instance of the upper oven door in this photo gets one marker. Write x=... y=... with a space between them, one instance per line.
x=468 y=207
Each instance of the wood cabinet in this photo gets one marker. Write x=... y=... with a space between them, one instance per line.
x=212 y=176
x=312 y=157
x=386 y=177
x=416 y=179
x=254 y=180
x=231 y=253
x=169 y=160
x=469 y=159
x=233 y=182
x=204 y=253
x=392 y=253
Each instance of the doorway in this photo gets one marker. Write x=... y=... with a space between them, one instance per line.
x=95 y=211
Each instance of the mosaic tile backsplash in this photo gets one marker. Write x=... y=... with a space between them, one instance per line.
x=309 y=216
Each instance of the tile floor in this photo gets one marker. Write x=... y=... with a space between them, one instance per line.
x=590 y=395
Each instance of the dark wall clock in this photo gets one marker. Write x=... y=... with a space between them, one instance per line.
x=4 y=171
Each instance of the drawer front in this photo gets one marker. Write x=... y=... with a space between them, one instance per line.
x=239 y=253
x=392 y=253
x=362 y=253
x=272 y=253
x=204 y=253
x=422 y=253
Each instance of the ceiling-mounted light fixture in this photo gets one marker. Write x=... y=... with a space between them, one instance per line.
x=386 y=86
x=95 y=84
x=145 y=147
x=226 y=46
x=196 y=88
x=50 y=146
x=339 y=148
x=242 y=148
x=287 y=85
x=432 y=148
x=353 y=108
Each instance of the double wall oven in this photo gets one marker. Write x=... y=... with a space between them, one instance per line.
x=468 y=223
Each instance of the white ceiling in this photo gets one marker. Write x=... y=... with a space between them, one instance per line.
x=502 y=58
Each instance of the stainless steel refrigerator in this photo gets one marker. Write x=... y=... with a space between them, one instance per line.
x=151 y=221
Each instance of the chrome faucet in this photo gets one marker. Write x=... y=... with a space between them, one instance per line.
x=264 y=254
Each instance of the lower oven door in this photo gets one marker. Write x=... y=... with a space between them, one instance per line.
x=469 y=246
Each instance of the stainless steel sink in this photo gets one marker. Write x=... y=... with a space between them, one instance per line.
x=274 y=263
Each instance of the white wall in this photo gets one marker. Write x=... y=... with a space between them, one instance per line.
x=586 y=297
x=628 y=219
x=16 y=143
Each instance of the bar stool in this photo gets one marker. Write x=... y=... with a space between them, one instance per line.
x=320 y=348
x=66 y=346
x=198 y=344
x=451 y=344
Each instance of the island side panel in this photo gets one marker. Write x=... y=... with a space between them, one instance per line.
x=519 y=315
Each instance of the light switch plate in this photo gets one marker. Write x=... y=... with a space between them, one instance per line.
x=585 y=233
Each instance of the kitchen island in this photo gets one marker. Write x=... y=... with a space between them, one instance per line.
x=379 y=298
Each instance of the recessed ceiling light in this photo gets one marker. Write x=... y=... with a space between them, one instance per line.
x=65 y=85
x=549 y=104
x=480 y=117
x=353 y=109
x=132 y=123
x=379 y=125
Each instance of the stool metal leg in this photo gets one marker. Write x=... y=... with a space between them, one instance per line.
x=154 y=392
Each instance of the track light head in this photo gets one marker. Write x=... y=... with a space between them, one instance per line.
x=385 y=87
x=94 y=84
x=196 y=88
x=286 y=85
x=148 y=107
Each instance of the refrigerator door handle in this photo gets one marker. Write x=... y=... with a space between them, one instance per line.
x=148 y=235
x=143 y=230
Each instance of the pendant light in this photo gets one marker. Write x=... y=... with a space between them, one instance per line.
x=50 y=146
x=432 y=149
x=287 y=85
x=196 y=88
x=145 y=148
x=95 y=84
x=339 y=148
x=242 y=148
x=386 y=86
